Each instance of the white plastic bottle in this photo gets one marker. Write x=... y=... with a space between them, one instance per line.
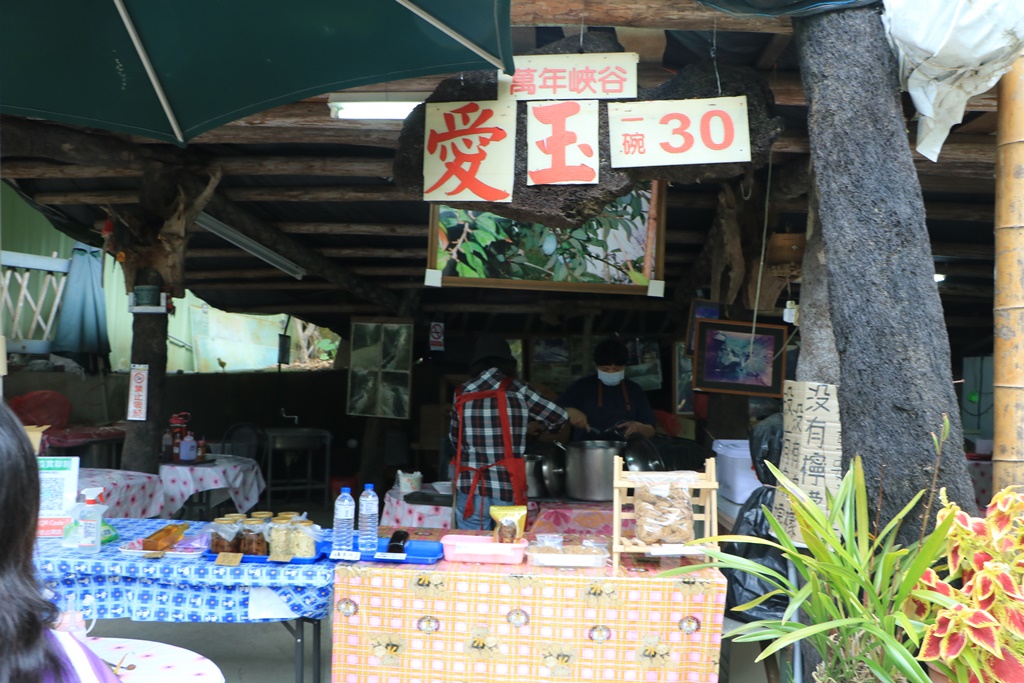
x=90 y=522
x=344 y=523
x=368 y=519
x=188 y=449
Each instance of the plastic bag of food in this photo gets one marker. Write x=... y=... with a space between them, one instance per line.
x=664 y=512
x=510 y=522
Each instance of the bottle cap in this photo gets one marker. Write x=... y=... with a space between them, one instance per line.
x=369 y=487
x=345 y=489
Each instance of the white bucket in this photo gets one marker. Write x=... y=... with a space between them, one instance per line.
x=409 y=481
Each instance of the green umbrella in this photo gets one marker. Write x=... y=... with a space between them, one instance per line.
x=173 y=69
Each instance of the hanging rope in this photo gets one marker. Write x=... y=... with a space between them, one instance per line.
x=714 y=54
x=760 y=266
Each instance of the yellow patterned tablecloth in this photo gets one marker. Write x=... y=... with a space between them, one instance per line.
x=489 y=623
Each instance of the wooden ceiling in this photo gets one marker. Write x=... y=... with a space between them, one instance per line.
x=324 y=187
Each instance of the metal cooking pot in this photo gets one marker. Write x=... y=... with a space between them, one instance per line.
x=590 y=469
x=553 y=469
x=534 y=478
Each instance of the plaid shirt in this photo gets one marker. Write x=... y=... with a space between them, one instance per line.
x=482 y=441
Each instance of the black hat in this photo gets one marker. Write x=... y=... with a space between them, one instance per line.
x=491 y=346
x=611 y=351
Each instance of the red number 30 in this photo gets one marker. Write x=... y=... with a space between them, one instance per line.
x=729 y=131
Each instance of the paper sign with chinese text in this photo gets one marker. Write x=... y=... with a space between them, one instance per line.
x=591 y=76
x=58 y=490
x=138 y=383
x=469 y=151
x=812 y=455
x=678 y=132
x=562 y=143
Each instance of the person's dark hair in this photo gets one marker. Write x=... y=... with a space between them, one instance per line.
x=506 y=366
x=25 y=616
x=611 y=351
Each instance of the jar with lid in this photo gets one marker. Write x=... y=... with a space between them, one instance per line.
x=236 y=516
x=224 y=535
x=280 y=536
x=304 y=537
x=263 y=514
x=288 y=515
x=253 y=541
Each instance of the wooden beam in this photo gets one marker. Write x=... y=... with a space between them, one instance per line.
x=87 y=197
x=274 y=273
x=980 y=271
x=231 y=166
x=307 y=308
x=376 y=229
x=345 y=193
x=326 y=252
x=683 y=15
x=949 y=290
x=964 y=251
x=46 y=169
x=685 y=236
x=264 y=285
x=945 y=211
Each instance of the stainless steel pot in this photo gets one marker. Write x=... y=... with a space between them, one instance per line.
x=534 y=477
x=553 y=469
x=590 y=469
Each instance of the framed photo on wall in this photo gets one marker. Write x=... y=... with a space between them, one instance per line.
x=731 y=358
x=619 y=251
x=682 y=379
x=700 y=308
x=380 y=367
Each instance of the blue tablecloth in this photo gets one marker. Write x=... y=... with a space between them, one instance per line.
x=171 y=589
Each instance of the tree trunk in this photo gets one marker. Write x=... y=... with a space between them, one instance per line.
x=818 y=360
x=894 y=360
x=142 y=439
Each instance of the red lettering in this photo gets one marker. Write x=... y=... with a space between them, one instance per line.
x=680 y=130
x=727 y=124
x=462 y=149
x=555 y=145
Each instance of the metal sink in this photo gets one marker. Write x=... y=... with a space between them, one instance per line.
x=296 y=438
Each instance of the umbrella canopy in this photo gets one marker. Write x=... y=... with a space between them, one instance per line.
x=172 y=70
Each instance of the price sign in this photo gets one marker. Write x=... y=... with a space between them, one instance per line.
x=389 y=556
x=678 y=132
x=346 y=555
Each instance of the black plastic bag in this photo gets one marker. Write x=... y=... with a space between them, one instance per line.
x=743 y=587
x=766 y=445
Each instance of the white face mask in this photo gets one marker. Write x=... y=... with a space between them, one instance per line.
x=611 y=379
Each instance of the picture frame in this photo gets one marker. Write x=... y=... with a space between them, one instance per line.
x=620 y=251
x=731 y=358
x=682 y=379
x=380 y=368
x=700 y=308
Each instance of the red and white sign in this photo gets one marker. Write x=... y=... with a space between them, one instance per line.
x=678 y=132
x=138 y=383
x=437 y=336
x=562 y=143
x=595 y=76
x=469 y=151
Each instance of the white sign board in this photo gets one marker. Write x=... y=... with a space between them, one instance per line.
x=469 y=151
x=58 y=490
x=591 y=76
x=138 y=383
x=678 y=132
x=562 y=143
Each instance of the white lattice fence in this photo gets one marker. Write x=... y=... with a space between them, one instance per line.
x=32 y=289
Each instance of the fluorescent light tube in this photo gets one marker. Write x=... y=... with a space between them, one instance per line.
x=226 y=232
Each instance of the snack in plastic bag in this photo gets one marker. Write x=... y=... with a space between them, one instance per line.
x=510 y=521
x=664 y=513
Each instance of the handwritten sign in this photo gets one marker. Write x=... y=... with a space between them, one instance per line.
x=138 y=383
x=812 y=452
x=469 y=151
x=678 y=132
x=591 y=76
x=562 y=143
x=58 y=490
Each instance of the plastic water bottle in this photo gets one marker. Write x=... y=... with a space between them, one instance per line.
x=344 y=522
x=368 y=512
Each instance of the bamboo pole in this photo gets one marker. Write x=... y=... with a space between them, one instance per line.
x=1008 y=301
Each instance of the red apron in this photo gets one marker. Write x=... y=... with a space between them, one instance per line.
x=516 y=467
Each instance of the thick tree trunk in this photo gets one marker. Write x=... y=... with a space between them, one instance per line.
x=142 y=439
x=819 y=360
x=894 y=361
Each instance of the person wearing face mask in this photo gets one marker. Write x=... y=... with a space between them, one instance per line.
x=607 y=399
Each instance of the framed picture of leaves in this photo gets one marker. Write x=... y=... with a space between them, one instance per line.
x=619 y=251
x=380 y=367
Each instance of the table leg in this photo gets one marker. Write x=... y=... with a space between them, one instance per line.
x=298 y=631
x=316 y=650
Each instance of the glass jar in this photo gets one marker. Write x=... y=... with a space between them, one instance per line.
x=236 y=517
x=253 y=541
x=304 y=538
x=224 y=535
x=288 y=515
x=280 y=536
x=263 y=514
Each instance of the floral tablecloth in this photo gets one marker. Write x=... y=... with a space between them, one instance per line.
x=173 y=589
x=454 y=622
x=240 y=478
x=576 y=518
x=144 y=661
x=127 y=494
x=398 y=513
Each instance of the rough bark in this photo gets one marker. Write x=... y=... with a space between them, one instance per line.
x=894 y=358
x=142 y=439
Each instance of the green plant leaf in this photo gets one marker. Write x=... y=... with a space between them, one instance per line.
x=801 y=633
x=758 y=600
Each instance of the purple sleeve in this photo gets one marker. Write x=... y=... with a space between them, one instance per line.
x=99 y=668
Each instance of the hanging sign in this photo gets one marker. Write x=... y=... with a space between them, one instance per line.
x=562 y=143
x=58 y=490
x=469 y=151
x=678 y=132
x=812 y=453
x=138 y=383
x=588 y=76
x=437 y=336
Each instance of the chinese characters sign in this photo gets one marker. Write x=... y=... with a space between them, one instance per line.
x=812 y=454
x=572 y=77
x=676 y=132
x=469 y=151
x=562 y=145
x=138 y=383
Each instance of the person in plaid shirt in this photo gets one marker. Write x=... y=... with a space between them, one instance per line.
x=490 y=441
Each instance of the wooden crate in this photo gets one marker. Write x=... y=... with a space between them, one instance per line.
x=703 y=493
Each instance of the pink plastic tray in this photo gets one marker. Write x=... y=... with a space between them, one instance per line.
x=483 y=549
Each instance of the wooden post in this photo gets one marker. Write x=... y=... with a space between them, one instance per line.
x=1008 y=300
